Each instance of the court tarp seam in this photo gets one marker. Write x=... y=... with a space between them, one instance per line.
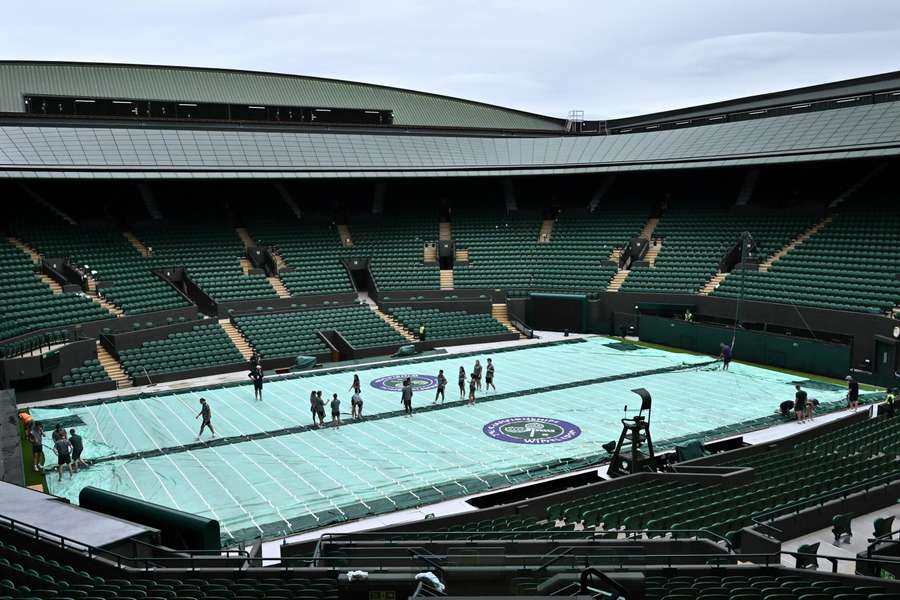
x=236 y=439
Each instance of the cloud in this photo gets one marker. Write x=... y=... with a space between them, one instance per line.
x=610 y=58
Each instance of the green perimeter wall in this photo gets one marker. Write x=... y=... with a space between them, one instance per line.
x=810 y=356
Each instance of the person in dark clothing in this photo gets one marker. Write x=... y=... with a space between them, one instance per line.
x=725 y=356
x=489 y=376
x=441 y=386
x=77 y=449
x=800 y=398
x=206 y=413
x=312 y=406
x=36 y=437
x=335 y=411
x=889 y=398
x=462 y=383
x=320 y=408
x=852 y=393
x=356 y=387
x=473 y=383
x=58 y=432
x=406 y=396
x=257 y=376
x=63 y=450
x=786 y=407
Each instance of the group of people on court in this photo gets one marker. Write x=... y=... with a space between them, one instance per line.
x=802 y=406
x=67 y=446
x=317 y=404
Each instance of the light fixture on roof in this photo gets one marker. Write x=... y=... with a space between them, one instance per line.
x=845 y=100
x=799 y=106
x=122 y=102
x=758 y=112
x=257 y=107
x=186 y=104
x=85 y=101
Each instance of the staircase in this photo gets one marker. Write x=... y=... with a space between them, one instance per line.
x=36 y=259
x=618 y=279
x=501 y=313
x=713 y=283
x=279 y=287
x=749 y=185
x=95 y=297
x=616 y=255
x=598 y=196
x=288 y=199
x=54 y=287
x=859 y=184
x=653 y=251
x=31 y=252
x=150 y=202
x=47 y=204
x=767 y=264
x=246 y=265
x=429 y=253
x=279 y=262
x=649 y=228
x=394 y=323
x=112 y=367
x=239 y=341
x=344 y=233
x=546 y=231
x=444 y=229
x=138 y=244
x=246 y=238
x=446 y=279
x=461 y=255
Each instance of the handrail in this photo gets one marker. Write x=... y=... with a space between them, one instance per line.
x=757 y=518
x=554 y=558
x=553 y=534
x=200 y=563
x=585 y=578
x=428 y=561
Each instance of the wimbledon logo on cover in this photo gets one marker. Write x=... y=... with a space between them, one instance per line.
x=532 y=430
x=394 y=383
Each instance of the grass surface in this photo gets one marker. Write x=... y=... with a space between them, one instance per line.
x=810 y=376
x=32 y=477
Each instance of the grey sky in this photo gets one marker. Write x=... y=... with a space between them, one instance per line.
x=609 y=58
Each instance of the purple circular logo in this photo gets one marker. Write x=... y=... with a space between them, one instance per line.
x=394 y=383
x=532 y=430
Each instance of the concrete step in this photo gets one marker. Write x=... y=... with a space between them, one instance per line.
x=767 y=264
x=245 y=236
x=395 y=325
x=546 y=231
x=138 y=245
x=444 y=231
x=112 y=367
x=446 y=279
x=237 y=339
x=344 y=235
x=279 y=287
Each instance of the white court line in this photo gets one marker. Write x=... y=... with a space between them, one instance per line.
x=230 y=465
x=185 y=477
x=330 y=444
x=302 y=459
x=125 y=465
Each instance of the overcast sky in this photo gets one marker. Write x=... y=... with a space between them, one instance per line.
x=609 y=58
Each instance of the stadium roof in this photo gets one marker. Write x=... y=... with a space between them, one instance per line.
x=31 y=146
x=138 y=152
x=191 y=84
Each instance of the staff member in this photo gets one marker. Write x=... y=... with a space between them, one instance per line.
x=852 y=393
x=725 y=356
x=406 y=396
x=441 y=386
x=800 y=398
x=206 y=413
x=257 y=376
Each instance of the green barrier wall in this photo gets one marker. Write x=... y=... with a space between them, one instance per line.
x=787 y=352
x=178 y=530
